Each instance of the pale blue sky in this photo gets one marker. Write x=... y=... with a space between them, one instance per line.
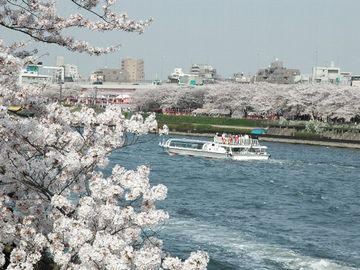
x=231 y=35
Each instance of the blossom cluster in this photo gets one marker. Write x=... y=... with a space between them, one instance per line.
x=319 y=101
x=60 y=204
x=106 y=228
x=40 y=20
x=55 y=205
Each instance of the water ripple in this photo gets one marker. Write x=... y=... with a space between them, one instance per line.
x=298 y=210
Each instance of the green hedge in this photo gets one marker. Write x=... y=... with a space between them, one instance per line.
x=196 y=128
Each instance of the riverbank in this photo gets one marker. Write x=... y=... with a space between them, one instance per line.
x=311 y=142
x=345 y=136
x=326 y=143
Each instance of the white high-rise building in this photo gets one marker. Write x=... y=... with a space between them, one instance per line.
x=326 y=74
x=71 y=72
x=59 y=61
x=206 y=72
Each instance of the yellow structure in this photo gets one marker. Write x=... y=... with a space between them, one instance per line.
x=133 y=69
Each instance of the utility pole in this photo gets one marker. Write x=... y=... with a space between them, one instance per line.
x=60 y=96
x=162 y=68
x=62 y=79
x=95 y=95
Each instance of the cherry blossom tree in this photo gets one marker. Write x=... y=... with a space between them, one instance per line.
x=169 y=96
x=309 y=101
x=55 y=205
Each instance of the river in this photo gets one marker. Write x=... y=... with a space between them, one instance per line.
x=298 y=210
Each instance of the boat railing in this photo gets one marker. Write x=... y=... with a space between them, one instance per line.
x=164 y=143
x=237 y=140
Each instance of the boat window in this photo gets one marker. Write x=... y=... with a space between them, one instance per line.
x=186 y=144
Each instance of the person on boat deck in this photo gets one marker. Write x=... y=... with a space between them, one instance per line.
x=236 y=139
x=246 y=139
x=223 y=137
x=230 y=139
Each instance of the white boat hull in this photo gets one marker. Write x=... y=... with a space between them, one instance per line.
x=187 y=147
x=190 y=152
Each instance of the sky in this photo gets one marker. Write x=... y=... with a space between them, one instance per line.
x=231 y=35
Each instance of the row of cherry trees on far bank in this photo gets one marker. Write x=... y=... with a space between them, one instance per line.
x=323 y=102
x=57 y=210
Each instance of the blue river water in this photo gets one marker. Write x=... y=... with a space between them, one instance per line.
x=298 y=210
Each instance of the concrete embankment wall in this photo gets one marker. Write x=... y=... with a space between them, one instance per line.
x=351 y=136
x=312 y=142
x=287 y=136
x=297 y=133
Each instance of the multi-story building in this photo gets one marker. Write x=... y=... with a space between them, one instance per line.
x=32 y=75
x=174 y=77
x=59 y=61
x=178 y=76
x=277 y=73
x=330 y=74
x=133 y=69
x=107 y=75
x=206 y=72
x=41 y=74
x=345 y=78
x=241 y=78
x=355 y=80
x=71 y=73
x=192 y=80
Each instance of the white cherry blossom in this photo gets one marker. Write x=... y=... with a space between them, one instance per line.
x=54 y=201
x=324 y=102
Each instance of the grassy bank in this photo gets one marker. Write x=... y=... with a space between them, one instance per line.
x=204 y=124
x=206 y=120
x=211 y=125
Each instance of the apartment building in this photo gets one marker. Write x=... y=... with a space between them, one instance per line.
x=133 y=69
x=107 y=75
x=206 y=72
x=330 y=74
x=277 y=73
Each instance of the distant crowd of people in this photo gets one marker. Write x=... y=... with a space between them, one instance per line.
x=235 y=139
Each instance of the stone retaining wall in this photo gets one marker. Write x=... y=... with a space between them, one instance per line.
x=332 y=135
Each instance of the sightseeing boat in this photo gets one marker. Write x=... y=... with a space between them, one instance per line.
x=225 y=147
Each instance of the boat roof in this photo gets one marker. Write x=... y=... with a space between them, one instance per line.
x=189 y=140
x=221 y=144
x=242 y=145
